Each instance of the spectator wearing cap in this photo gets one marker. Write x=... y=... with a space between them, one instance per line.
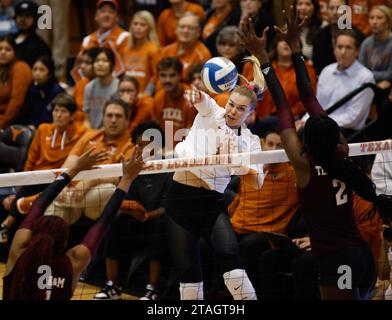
x=57 y=36
x=30 y=45
x=108 y=34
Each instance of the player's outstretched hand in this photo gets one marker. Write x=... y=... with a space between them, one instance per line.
x=193 y=96
x=291 y=31
x=250 y=41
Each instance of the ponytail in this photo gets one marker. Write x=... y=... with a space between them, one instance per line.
x=258 y=78
x=39 y=252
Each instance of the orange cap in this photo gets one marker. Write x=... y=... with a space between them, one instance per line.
x=113 y=2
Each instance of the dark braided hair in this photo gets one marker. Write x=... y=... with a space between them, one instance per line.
x=321 y=138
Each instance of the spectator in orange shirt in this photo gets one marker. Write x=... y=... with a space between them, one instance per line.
x=109 y=34
x=50 y=147
x=195 y=79
x=15 y=80
x=224 y=13
x=284 y=69
x=188 y=49
x=141 y=49
x=172 y=110
x=85 y=73
x=360 y=13
x=140 y=107
x=90 y=196
x=168 y=19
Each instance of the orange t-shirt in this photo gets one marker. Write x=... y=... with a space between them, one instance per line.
x=116 y=40
x=167 y=22
x=287 y=78
x=50 y=148
x=142 y=111
x=369 y=224
x=79 y=97
x=175 y=111
x=197 y=54
x=122 y=146
x=360 y=13
x=12 y=93
x=138 y=63
x=268 y=209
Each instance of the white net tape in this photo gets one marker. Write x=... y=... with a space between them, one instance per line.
x=181 y=164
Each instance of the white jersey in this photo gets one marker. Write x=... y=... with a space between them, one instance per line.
x=210 y=135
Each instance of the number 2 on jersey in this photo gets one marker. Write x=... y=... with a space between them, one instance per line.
x=340 y=197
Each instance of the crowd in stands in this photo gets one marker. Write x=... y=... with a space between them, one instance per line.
x=128 y=79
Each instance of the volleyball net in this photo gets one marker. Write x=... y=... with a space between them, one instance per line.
x=140 y=239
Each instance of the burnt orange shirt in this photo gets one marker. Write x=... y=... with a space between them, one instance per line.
x=268 y=209
x=97 y=139
x=198 y=53
x=50 y=147
x=79 y=97
x=138 y=62
x=141 y=112
x=175 y=111
x=369 y=224
x=287 y=78
x=360 y=13
x=116 y=40
x=12 y=93
x=167 y=22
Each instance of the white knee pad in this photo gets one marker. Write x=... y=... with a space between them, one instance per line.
x=239 y=285
x=191 y=291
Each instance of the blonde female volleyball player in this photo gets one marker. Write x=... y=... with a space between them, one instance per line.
x=195 y=199
x=37 y=266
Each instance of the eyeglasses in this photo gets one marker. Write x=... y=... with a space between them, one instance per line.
x=126 y=90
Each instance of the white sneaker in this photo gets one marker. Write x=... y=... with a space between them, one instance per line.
x=109 y=292
x=388 y=293
x=151 y=293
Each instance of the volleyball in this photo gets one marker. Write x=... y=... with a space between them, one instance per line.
x=219 y=75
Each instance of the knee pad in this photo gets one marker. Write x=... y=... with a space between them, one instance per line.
x=239 y=285
x=191 y=291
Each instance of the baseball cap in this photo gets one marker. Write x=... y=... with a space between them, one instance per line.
x=112 y=2
x=28 y=8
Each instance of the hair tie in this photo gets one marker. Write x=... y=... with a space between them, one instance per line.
x=251 y=87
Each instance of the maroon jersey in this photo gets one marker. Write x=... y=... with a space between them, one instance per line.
x=328 y=213
x=56 y=281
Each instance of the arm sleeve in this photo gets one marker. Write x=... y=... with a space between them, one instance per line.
x=97 y=232
x=44 y=200
x=304 y=85
x=285 y=116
